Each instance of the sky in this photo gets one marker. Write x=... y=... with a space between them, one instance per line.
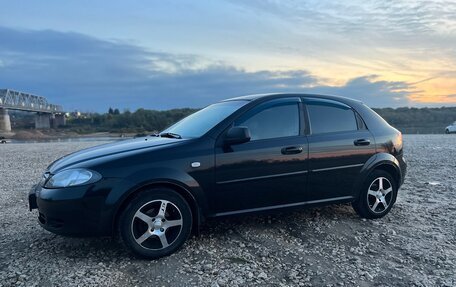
x=92 y=55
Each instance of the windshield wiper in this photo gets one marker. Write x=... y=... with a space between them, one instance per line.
x=170 y=135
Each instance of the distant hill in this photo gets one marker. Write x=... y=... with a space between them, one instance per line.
x=407 y=120
x=140 y=121
x=419 y=120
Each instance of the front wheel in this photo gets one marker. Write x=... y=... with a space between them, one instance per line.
x=377 y=196
x=156 y=223
x=447 y=131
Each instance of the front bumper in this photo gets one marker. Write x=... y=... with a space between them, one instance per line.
x=74 y=211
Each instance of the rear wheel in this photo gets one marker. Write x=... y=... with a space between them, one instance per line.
x=377 y=196
x=447 y=131
x=156 y=223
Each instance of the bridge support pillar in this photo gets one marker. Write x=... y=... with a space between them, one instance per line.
x=42 y=121
x=5 y=122
x=58 y=120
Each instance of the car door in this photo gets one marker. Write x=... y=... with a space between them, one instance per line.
x=269 y=170
x=339 y=145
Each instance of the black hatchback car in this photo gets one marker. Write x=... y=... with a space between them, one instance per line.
x=247 y=154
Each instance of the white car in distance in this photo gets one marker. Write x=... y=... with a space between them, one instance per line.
x=451 y=128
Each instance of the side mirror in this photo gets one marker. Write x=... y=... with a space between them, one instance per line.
x=237 y=135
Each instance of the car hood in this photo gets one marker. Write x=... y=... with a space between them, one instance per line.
x=115 y=148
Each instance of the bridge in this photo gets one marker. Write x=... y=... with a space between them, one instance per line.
x=47 y=115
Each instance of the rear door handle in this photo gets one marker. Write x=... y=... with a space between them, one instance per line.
x=362 y=142
x=292 y=150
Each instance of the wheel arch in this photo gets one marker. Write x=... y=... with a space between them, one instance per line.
x=380 y=161
x=391 y=169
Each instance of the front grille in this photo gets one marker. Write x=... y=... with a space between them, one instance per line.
x=55 y=223
x=51 y=222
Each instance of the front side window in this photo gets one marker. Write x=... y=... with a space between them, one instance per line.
x=328 y=117
x=273 y=121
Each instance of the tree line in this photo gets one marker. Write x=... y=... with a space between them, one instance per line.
x=407 y=120
x=419 y=120
x=140 y=121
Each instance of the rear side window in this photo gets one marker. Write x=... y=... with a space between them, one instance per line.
x=328 y=117
x=279 y=120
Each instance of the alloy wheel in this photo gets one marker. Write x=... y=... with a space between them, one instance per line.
x=157 y=224
x=379 y=195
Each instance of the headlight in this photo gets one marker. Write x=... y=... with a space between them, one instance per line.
x=72 y=177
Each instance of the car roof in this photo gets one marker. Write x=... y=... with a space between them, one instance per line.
x=254 y=97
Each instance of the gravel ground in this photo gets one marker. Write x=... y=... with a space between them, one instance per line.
x=415 y=245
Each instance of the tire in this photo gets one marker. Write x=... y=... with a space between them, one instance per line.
x=447 y=131
x=372 y=198
x=155 y=223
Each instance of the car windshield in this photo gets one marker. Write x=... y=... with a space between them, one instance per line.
x=199 y=123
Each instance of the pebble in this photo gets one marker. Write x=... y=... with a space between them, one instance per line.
x=328 y=246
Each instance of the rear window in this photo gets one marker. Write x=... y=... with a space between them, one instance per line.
x=328 y=117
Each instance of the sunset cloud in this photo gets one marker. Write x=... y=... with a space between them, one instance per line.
x=191 y=53
x=87 y=73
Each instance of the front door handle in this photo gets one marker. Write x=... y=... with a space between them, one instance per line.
x=362 y=142
x=292 y=150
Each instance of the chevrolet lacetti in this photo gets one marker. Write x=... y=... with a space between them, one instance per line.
x=242 y=155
